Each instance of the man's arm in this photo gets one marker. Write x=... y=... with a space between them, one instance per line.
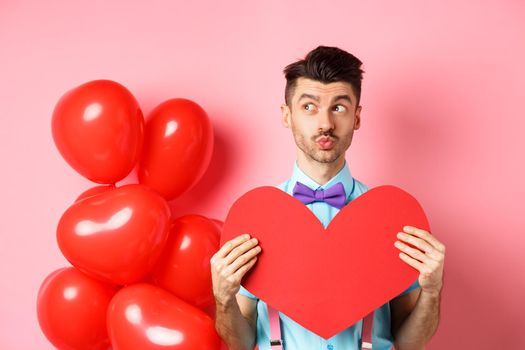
x=235 y=315
x=415 y=315
x=236 y=323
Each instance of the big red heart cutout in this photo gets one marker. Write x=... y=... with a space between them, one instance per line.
x=326 y=280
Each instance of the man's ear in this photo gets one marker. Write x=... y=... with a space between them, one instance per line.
x=357 y=122
x=285 y=115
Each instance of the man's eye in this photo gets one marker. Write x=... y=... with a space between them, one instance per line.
x=308 y=106
x=340 y=108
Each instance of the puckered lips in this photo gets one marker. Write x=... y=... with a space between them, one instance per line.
x=325 y=142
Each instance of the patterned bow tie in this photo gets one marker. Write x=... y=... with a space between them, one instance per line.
x=335 y=195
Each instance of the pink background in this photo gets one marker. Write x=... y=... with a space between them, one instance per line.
x=443 y=100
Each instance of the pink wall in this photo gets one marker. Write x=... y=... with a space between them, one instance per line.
x=443 y=118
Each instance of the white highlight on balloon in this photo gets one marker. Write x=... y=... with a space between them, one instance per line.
x=119 y=219
x=164 y=336
x=70 y=293
x=171 y=127
x=186 y=241
x=92 y=111
x=133 y=314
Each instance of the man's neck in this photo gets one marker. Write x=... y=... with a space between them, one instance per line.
x=319 y=172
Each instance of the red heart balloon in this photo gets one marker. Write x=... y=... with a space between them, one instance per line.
x=94 y=191
x=178 y=145
x=98 y=128
x=72 y=310
x=116 y=235
x=146 y=317
x=326 y=280
x=184 y=266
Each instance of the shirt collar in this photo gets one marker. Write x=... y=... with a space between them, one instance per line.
x=344 y=176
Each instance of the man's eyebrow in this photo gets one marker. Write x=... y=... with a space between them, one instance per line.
x=316 y=98
x=343 y=97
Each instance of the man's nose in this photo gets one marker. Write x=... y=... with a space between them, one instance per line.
x=326 y=121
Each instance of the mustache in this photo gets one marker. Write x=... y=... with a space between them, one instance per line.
x=328 y=133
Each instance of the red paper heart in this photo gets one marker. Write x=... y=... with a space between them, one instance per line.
x=326 y=280
x=116 y=235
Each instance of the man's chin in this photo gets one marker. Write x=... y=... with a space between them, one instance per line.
x=325 y=156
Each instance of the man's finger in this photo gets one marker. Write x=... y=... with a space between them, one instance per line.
x=232 y=244
x=418 y=265
x=417 y=242
x=243 y=269
x=412 y=252
x=427 y=236
x=244 y=259
x=240 y=250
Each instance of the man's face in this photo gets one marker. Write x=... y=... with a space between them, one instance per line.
x=323 y=118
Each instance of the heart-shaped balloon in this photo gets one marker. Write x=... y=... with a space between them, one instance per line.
x=184 y=266
x=146 y=317
x=178 y=144
x=98 y=128
x=72 y=310
x=94 y=191
x=326 y=279
x=116 y=235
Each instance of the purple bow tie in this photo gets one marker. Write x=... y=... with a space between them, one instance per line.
x=335 y=195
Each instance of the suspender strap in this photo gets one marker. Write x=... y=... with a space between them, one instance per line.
x=276 y=342
x=366 y=333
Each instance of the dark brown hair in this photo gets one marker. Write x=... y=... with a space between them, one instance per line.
x=327 y=65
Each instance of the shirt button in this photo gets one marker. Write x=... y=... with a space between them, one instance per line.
x=330 y=347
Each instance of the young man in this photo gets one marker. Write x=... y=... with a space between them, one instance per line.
x=322 y=110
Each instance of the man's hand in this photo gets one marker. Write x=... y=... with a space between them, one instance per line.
x=428 y=257
x=230 y=264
